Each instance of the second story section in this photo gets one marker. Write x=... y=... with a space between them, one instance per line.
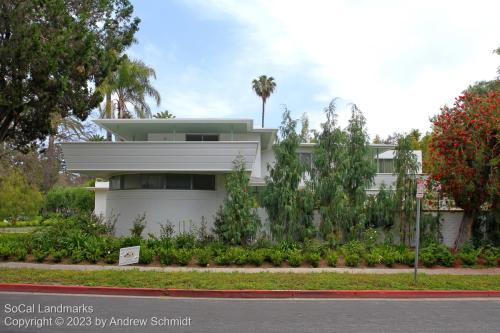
x=170 y=145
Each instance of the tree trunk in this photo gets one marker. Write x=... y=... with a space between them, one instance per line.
x=107 y=114
x=465 y=230
x=48 y=172
x=263 y=103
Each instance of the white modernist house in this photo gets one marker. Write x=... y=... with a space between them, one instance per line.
x=173 y=170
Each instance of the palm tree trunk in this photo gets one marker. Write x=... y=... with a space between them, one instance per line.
x=107 y=114
x=263 y=103
x=50 y=168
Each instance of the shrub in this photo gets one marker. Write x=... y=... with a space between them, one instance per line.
x=276 y=257
x=183 y=256
x=138 y=226
x=40 y=255
x=332 y=258
x=18 y=198
x=468 y=255
x=58 y=255
x=313 y=258
x=389 y=256
x=406 y=257
x=295 y=258
x=19 y=254
x=203 y=257
x=257 y=257
x=145 y=255
x=352 y=259
x=77 y=256
x=167 y=256
x=373 y=258
x=436 y=254
x=69 y=200
x=5 y=251
x=490 y=256
x=353 y=247
x=185 y=240
x=111 y=257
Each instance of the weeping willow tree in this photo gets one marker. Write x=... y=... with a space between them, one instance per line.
x=342 y=172
x=290 y=210
x=406 y=168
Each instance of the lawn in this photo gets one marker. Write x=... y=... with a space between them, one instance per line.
x=209 y=280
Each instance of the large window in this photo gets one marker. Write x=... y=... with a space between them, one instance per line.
x=385 y=166
x=202 y=137
x=168 y=181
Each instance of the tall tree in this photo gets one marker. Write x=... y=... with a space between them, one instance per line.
x=52 y=55
x=130 y=84
x=290 y=210
x=327 y=175
x=465 y=151
x=406 y=168
x=264 y=86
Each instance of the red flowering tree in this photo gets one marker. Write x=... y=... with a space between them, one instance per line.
x=464 y=150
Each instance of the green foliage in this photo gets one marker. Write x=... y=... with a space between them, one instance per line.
x=19 y=253
x=17 y=198
x=203 y=257
x=343 y=169
x=313 y=258
x=185 y=240
x=332 y=258
x=167 y=256
x=295 y=258
x=468 y=254
x=380 y=209
x=353 y=247
x=290 y=210
x=40 y=255
x=436 y=254
x=69 y=200
x=406 y=167
x=257 y=257
x=236 y=222
x=58 y=255
x=352 y=260
x=373 y=258
x=145 y=256
x=164 y=115
x=67 y=48
x=138 y=226
x=276 y=257
x=490 y=255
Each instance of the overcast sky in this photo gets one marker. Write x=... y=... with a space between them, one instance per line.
x=399 y=61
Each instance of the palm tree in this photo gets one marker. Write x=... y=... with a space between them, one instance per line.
x=263 y=87
x=129 y=84
x=164 y=115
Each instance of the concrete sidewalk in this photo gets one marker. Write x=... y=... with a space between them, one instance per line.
x=446 y=271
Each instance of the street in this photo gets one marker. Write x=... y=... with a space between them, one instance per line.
x=26 y=312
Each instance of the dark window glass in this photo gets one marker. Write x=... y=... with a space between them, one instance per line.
x=203 y=182
x=132 y=182
x=114 y=183
x=202 y=137
x=178 y=182
x=153 y=181
x=194 y=137
x=211 y=137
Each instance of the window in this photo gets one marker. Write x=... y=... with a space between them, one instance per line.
x=203 y=182
x=178 y=182
x=385 y=166
x=169 y=181
x=306 y=158
x=202 y=137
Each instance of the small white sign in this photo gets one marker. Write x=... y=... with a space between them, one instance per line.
x=420 y=188
x=129 y=255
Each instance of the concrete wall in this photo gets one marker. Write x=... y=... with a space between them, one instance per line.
x=182 y=208
x=100 y=202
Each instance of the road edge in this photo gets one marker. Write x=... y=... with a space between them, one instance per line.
x=209 y=293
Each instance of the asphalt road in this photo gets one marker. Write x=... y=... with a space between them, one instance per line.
x=142 y=314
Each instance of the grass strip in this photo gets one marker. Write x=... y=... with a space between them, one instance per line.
x=265 y=281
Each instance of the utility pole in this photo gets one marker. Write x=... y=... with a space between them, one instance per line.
x=420 y=195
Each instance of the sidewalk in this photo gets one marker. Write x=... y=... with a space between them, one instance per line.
x=444 y=271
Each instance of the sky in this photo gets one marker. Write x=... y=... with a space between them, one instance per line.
x=398 y=61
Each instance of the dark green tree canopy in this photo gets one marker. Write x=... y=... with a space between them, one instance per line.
x=52 y=55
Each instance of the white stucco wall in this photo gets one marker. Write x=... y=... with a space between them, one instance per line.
x=182 y=208
x=100 y=202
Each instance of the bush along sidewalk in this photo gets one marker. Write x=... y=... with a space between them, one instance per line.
x=84 y=239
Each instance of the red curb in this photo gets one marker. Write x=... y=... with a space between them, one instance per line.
x=208 y=293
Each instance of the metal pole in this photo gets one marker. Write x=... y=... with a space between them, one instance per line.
x=417 y=241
